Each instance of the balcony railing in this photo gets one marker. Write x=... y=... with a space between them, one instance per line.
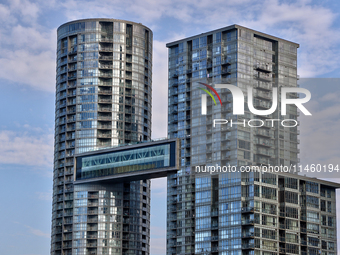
x=263 y=68
x=105 y=57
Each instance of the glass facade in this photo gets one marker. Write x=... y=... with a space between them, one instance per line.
x=103 y=99
x=234 y=214
x=126 y=161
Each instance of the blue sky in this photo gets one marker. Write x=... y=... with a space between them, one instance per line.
x=27 y=83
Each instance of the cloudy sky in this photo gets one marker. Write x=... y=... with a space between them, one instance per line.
x=27 y=83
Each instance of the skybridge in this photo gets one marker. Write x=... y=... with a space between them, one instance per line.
x=147 y=160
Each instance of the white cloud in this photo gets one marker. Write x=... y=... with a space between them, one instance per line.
x=331 y=97
x=4 y=13
x=159 y=90
x=27 y=41
x=27 y=11
x=319 y=142
x=45 y=196
x=159 y=187
x=24 y=149
x=27 y=52
x=158 y=240
x=24 y=67
x=38 y=232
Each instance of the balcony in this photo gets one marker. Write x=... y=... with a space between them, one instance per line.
x=262 y=104
x=92 y=212
x=104 y=135
x=264 y=142
x=225 y=61
x=104 y=92
x=104 y=109
x=263 y=85
x=266 y=68
x=263 y=77
x=104 y=127
x=104 y=145
x=226 y=71
x=247 y=209
x=263 y=94
x=105 y=84
x=104 y=66
x=105 y=118
x=248 y=246
x=109 y=58
x=73 y=59
x=72 y=52
x=93 y=204
x=106 y=39
x=106 y=75
x=264 y=152
x=106 y=49
x=264 y=132
x=247 y=234
x=72 y=77
x=73 y=119
x=248 y=221
x=102 y=100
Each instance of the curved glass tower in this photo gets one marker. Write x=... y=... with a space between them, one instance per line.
x=103 y=99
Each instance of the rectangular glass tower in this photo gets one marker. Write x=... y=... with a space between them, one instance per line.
x=262 y=214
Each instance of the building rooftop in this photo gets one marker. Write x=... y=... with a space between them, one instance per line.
x=235 y=26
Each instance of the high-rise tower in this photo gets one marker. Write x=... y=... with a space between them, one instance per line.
x=234 y=213
x=103 y=99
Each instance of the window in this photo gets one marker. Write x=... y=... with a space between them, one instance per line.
x=270 y=234
x=313 y=216
x=203 y=41
x=244 y=145
x=268 y=208
x=203 y=54
x=312 y=228
x=331 y=221
x=218 y=37
x=312 y=187
x=269 y=178
x=323 y=192
x=268 y=193
x=312 y=201
x=292 y=248
x=246 y=154
x=329 y=193
x=269 y=220
x=203 y=196
x=195 y=43
x=203 y=182
x=292 y=238
x=313 y=251
x=331 y=233
x=291 y=197
x=230 y=207
x=256 y=190
x=312 y=241
x=202 y=223
x=292 y=212
x=292 y=224
x=329 y=206
x=291 y=183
